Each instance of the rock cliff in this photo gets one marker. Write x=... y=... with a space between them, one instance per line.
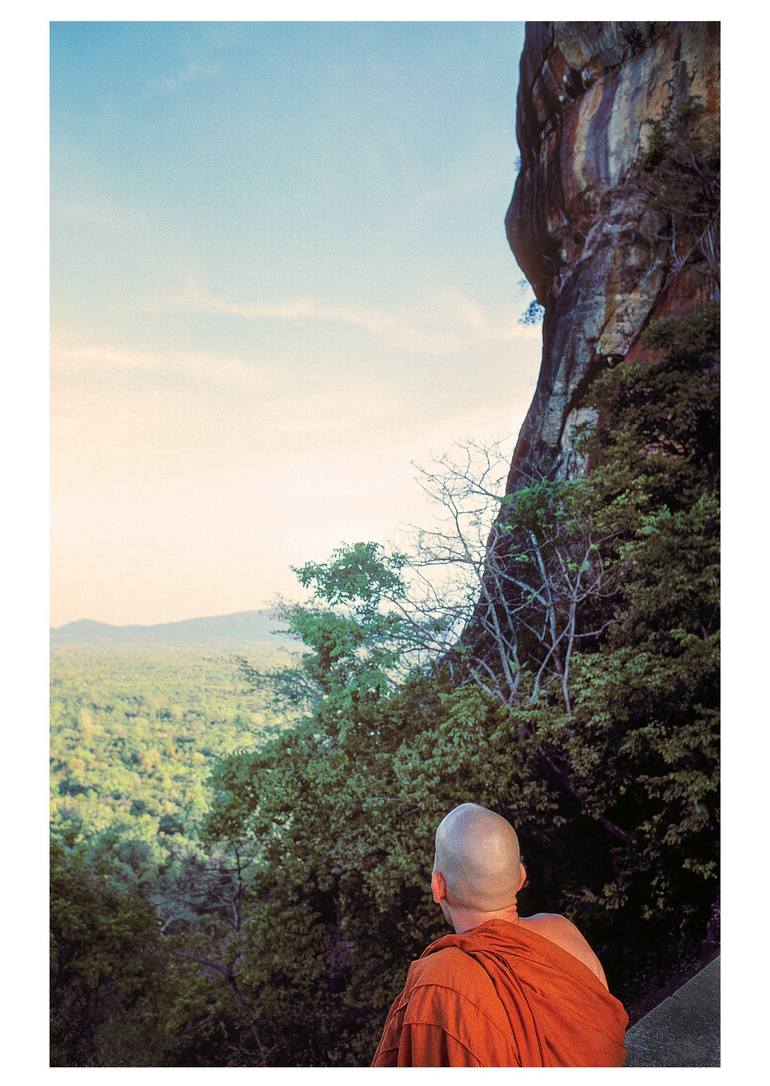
x=597 y=252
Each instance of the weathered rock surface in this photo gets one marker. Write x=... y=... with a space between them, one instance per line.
x=683 y=1030
x=580 y=226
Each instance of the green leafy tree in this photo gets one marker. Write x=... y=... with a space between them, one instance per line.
x=106 y=969
x=354 y=630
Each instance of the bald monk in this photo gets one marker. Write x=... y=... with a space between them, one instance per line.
x=504 y=990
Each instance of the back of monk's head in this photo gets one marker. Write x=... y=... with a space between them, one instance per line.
x=477 y=852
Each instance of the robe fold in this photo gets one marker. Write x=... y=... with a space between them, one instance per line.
x=501 y=995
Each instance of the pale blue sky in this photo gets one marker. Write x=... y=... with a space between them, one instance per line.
x=279 y=274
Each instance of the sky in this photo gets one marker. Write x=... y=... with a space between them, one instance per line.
x=83 y=569
x=279 y=277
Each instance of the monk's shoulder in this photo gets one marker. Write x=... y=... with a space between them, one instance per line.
x=449 y=967
x=459 y=990
x=452 y=970
x=561 y=931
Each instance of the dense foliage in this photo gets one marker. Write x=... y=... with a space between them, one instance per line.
x=107 y=967
x=679 y=170
x=134 y=732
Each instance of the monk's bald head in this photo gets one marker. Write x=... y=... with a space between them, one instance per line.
x=477 y=852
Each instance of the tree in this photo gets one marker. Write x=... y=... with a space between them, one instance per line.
x=106 y=969
x=361 y=638
x=679 y=169
x=521 y=594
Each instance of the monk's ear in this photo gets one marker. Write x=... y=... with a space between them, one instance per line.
x=522 y=877
x=438 y=886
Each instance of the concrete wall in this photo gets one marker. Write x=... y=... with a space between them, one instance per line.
x=683 y=1030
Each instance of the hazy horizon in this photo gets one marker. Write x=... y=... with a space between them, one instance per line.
x=279 y=274
x=171 y=622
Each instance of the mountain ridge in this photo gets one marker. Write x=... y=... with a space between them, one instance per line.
x=240 y=627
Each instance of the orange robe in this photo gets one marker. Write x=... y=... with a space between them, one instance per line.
x=502 y=996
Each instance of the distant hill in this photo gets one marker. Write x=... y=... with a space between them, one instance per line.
x=215 y=631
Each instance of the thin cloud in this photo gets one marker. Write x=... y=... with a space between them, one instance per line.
x=399 y=333
x=485 y=325
x=189 y=72
x=80 y=389
x=459 y=322
x=303 y=309
x=70 y=361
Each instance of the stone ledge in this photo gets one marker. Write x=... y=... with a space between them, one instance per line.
x=683 y=1030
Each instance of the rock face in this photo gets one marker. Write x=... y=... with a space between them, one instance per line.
x=579 y=224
